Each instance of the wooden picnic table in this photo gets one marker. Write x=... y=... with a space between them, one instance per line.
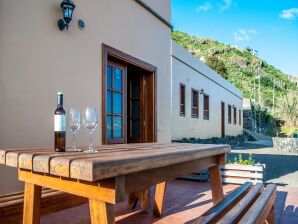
x=107 y=176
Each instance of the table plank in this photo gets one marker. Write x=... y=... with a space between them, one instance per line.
x=59 y=164
x=94 y=169
x=110 y=161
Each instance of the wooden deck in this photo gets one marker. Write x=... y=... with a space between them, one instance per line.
x=186 y=200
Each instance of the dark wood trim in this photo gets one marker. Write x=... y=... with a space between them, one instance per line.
x=153 y=12
x=198 y=102
x=182 y=114
x=204 y=117
x=223 y=118
x=108 y=51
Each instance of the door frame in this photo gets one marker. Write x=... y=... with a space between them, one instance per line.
x=108 y=51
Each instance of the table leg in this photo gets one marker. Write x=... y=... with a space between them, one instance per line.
x=101 y=212
x=159 y=199
x=32 y=198
x=145 y=200
x=216 y=184
x=143 y=196
x=133 y=198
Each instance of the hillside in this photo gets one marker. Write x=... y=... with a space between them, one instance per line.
x=239 y=66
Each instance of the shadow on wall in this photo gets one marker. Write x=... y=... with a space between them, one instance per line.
x=276 y=165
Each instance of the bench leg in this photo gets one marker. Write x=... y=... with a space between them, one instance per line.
x=32 y=198
x=159 y=200
x=216 y=184
x=271 y=217
x=101 y=212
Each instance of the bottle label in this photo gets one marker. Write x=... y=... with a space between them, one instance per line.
x=60 y=124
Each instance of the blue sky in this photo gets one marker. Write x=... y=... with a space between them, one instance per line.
x=268 y=26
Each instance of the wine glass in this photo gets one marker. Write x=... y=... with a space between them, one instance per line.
x=90 y=122
x=74 y=123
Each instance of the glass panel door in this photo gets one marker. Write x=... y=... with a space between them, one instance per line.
x=115 y=103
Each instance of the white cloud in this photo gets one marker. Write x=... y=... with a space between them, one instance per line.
x=244 y=34
x=289 y=14
x=205 y=7
x=226 y=4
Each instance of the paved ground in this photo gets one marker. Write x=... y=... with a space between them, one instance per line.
x=281 y=167
x=185 y=201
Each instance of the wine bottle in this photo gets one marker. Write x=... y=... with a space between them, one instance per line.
x=60 y=125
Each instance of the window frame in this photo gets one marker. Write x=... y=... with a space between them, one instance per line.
x=195 y=115
x=208 y=116
x=235 y=115
x=229 y=114
x=182 y=104
x=240 y=116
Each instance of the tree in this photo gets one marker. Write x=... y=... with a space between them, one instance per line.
x=217 y=65
x=288 y=109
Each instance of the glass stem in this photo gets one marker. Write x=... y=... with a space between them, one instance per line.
x=90 y=140
x=73 y=141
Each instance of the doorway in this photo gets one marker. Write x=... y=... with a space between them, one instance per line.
x=222 y=119
x=128 y=106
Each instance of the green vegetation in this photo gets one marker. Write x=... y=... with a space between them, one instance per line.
x=240 y=67
x=239 y=160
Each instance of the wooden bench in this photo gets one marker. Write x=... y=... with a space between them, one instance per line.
x=247 y=204
x=11 y=205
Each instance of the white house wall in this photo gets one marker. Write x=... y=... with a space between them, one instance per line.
x=188 y=70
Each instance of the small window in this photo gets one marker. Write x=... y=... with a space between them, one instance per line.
x=235 y=115
x=240 y=117
x=229 y=114
x=206 y=107
x=182 y=100
x=194 y=103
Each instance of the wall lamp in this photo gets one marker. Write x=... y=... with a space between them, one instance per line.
x=67 y=7
x=202 y=91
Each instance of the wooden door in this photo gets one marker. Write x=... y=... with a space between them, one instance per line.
x=140 y=107
x=222 y=119
x=135 y=110
x=115 y=103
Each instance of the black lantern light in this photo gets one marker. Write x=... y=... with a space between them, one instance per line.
x=202 y=91
x=67 y=7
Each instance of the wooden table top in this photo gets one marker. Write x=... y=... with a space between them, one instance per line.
x=110 y=161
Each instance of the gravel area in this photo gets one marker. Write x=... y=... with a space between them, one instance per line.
x=281 y=167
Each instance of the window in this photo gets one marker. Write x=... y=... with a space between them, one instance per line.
x=240 y=117
x=182 y=100
x=235 y=115
x=206 y=107
x=194 y=103
x=229 y=114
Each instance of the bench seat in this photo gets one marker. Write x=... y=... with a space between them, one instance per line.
x=11 y=205
x=247 y=204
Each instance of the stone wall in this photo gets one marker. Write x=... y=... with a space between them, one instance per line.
x=286 y=144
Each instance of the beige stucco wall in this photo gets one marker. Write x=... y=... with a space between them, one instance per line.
x=184 y=70
x=37 y=60
x=161 y=7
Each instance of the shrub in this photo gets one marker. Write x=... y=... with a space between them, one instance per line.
x=239 y=160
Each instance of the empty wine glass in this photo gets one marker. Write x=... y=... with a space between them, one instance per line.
x=90 y=122
x=74 y=123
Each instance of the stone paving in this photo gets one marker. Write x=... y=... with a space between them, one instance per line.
x=281 y=167
x=185 y=200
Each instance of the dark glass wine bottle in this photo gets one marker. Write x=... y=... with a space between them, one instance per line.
x=60 y=125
